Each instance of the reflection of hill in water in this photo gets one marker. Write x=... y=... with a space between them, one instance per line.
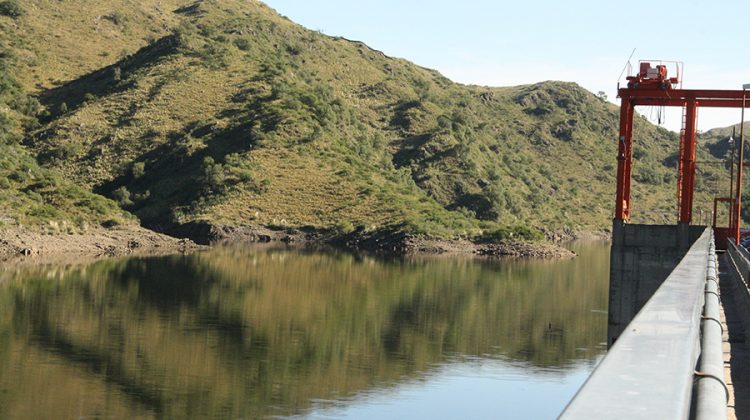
x=232 y=333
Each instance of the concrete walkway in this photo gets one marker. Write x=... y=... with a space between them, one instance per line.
x=736 y=351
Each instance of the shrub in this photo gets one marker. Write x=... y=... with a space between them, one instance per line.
x=116 y=18
x=27 y=105
x=143 y=196
x=648 y=174
x=214 y=56
x=444 y=123
x=66 y=151
x=89 y=97
x=139 y=169
x=508 y=232
x=111 y=223
x=10 y=8
x=122 y=196
x=344 y=227
x=242 y=44
x=263 y=186
x=213 y=177
x=294 y=49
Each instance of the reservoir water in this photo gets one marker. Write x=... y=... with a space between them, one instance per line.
x=275 y=333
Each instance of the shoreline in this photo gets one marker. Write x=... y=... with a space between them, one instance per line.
x=387 y=241
x=24 y=245
x=19 y=244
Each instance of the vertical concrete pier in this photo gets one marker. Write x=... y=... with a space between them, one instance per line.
x=642 y=257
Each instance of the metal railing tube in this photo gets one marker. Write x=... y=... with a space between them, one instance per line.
x=711 y=395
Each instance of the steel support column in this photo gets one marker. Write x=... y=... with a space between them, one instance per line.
x=688 y=164
x=738 y=192
x=624 y=160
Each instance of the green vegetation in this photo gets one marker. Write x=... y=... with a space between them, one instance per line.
x=10 y=8
x=232 y=114
x=29 y=194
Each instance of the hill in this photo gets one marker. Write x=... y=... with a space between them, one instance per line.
x=30 y=194
x=230 y=114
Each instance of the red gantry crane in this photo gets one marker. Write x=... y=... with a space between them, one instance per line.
x=652 y=86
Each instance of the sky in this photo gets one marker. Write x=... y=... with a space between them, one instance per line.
x=504 y=43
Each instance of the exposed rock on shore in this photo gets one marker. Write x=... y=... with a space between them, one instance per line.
x=388 y=240
x=126 y=240
x=133 y=240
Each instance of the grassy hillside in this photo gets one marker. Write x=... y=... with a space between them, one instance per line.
x=29 y=194
x=227 y=112
x=60 y=41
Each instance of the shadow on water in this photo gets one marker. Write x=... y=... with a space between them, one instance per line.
x=253 y=333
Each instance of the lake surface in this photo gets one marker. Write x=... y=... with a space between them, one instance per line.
x=273 y=333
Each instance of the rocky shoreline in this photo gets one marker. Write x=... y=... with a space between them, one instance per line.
x=18 y=243
x=387 y=241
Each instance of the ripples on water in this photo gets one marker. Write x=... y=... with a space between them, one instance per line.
x=274 y=333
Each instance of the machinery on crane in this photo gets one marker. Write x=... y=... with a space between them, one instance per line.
x=653 y=77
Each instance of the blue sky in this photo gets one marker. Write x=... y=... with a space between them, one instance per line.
x=501 y=43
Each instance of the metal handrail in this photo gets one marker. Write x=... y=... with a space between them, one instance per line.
x=649 y=372
x=711 y=390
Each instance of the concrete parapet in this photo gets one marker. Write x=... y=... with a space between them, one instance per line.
x=650 y=373
x=642 y=257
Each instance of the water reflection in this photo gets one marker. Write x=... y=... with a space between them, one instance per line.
x=257 y=333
